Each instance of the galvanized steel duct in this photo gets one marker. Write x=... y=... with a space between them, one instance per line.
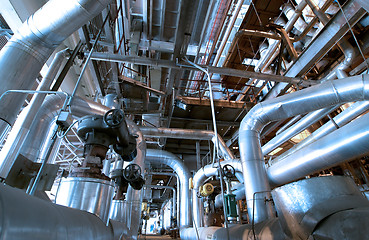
x=327 y=94
x=28 y=217
x=348 y=142
x=188 y=134
x=199 y=179
x=172 y=161
x=23 y=56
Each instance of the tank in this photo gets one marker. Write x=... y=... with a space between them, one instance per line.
x=117 y=211
x=90 y=194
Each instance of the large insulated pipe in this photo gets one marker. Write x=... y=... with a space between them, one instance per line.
x=315 y=116
x=327 y=94
x=45 y=116
x=352 y=112
x=28 y=217
x=199 y=179
x=188 y=134
x=22 y=126
x=346 y=143
x=172 y=161
x=22 y=58
x=298 y=127
x=270 y=229
x=134 y=197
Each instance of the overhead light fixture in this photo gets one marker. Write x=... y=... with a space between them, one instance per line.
x=180 y=104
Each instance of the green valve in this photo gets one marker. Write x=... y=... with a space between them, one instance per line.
x=231 y=207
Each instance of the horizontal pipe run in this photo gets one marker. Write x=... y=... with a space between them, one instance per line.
x=327 y=94
x=192 y=134
x=354 y=111
x=346 y=143
x=214 y=70
x=298 y=127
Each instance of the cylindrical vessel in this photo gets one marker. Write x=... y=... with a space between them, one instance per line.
x=118 y=211
x=90 y=194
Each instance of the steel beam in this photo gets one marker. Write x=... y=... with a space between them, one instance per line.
x=214 y=70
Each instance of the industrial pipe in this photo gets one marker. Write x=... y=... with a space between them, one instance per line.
x=45 y=116
x=28 y=217
x=327 y=94
x=178 y=185
x=174 y=204
x=346 y=143
x=172 y=161
x=22 y=126
x=134 y=197
x=270 y=229
x=298 y=127
x=23 y=56
x=352 y=112
x=238 y=190
x=188 y=134
x=199 y=179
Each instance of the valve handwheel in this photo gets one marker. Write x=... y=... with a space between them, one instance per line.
x=228 y=171
x=132 y=172
x=114 y=117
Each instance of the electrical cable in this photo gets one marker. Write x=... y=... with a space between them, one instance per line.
x=66 y=131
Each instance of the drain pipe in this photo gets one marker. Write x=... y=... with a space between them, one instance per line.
x=327 y=94
x=188 y=134
x=23 y=56
x=199 y=179
x=172 y=161
x=346 y=143
x=354 y=111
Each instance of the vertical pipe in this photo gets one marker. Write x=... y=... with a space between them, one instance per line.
x=24 y=55
x=23 y=124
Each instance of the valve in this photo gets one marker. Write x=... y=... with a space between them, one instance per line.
x=206 y=189
x=228 y=171
x=132 y=174
x=231 y=206
x=114 y=117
